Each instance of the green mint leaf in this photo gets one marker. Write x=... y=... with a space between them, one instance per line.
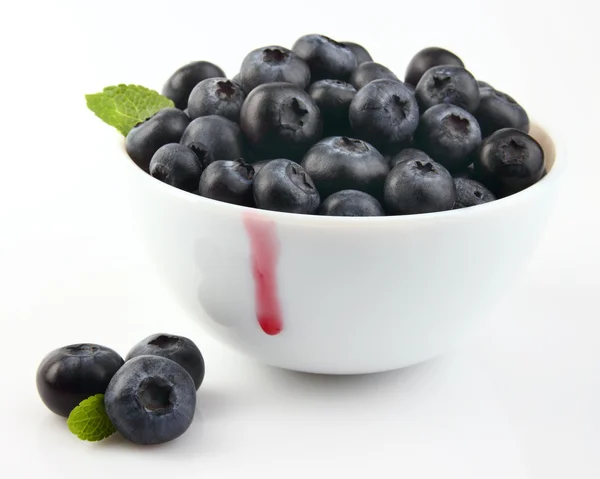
x=89 y=420
x=124 y=106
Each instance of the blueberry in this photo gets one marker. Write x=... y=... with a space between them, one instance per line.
x=333 y=97
x=176 y=348
x=325 y=57
x=483 y=85
x=449 y=135
x=497 y=110
x=151 y=400
x=273 y=64
x=70 y=374
x=408 y=154
x=176 y=165
x=470 y=193
x=216 y=96
x=448 y=84
x=179 y=86
x=360 y=52
x=280 y=120
x=468 y=172
x=341 y=163
x=257 y=165
x=214 y=138
x=351 y=203
x=369 y=71
x=426 y=59
x=384 y=113
x=283 y=185
x=509 y=161
x=230 y=181
x=144 y=139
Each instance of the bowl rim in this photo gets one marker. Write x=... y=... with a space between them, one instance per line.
x=547 y=182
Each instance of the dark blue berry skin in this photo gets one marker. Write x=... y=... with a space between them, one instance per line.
x=426 y=59
x=176 y=165
x=144 y=139
x=181 y=83
x=273 y=64
x=384 y=113
x=333 y=97
x=283 y=185
x=176 y=348
x=471 y=193
x=229 y=181
x=280 y=121
x=415 y=186
x=483 y=84
x=509 y=161
x=70 y=374
x=360 y=52
x=151 y=400
x=325 y=57
x=351 y=203
x=497 y=110
x=341 y=163
x=448 y=84
x=449 y=135
x=408 y=154
x=369 y=71
x=214 y=138
x=216 y=96
x=257 y=165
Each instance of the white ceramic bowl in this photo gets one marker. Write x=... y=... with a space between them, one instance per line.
x=355 y=295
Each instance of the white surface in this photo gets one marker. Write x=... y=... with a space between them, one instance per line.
x=521 y=403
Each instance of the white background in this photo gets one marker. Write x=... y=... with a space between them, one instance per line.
x=522 y=402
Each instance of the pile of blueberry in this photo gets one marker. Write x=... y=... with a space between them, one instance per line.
x=150 y=398
x=322 y=129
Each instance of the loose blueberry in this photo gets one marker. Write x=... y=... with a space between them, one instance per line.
x=333 y=97
x=216 y=96
x=151 y=400
x=360 y=52
x=176 y=348
x=280 y=120
x=448 y=84
x=449 y=135
x=497 y=110
x=342 y=163
x=415 y=186
x=229 y=181
x=408 y=154
x=70 y=374
x=176 y=165
x=283 y=185
x=214 y=138
x=470 y=193
x=257 y=165
x=426 y=59
x=325 y=57
x=509 y=161
x=144 y=139
x=273 y=64
x=384 y=113
x=179 y=86
x=369 y=71
x=351 y=203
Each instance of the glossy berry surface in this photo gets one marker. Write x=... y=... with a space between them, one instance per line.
x=448 y=84
x=360 y=52
x=144 y=139
x=280 y=120
x=68 y=375
x=342 y=163
x=325 y=57
x=181 y=83
x=351 y=203
x=369 y=71
x=230 y=181
x=216 y=96
x=333 y=98
x=273 y=64
x=408 y=154
x=426 y=59
x=498 y=110
x=176 y=348
x=471 y=193
x=151 y=400
x=384 y=113
x=416 y=186
x=176 y=165
x=449 y=135
x=283 y=185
